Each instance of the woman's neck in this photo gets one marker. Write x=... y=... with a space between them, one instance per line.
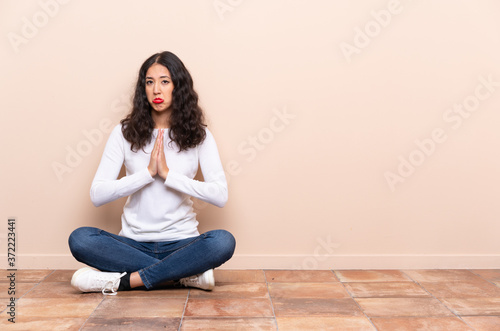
x=161 y=120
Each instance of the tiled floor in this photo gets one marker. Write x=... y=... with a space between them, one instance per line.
x=266 y=300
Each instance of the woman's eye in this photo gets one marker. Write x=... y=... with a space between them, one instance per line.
x=166 y=82
x=149 y=82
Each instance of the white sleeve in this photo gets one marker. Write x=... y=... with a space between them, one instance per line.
x=214 y=187
x=105 y=186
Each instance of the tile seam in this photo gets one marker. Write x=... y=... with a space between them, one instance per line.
x=353 y=299
x=270 y=300
x=451 y=310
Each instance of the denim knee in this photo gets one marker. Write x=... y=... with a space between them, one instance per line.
x=79 y=236
x=225 y=242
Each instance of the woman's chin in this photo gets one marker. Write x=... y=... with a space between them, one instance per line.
x=158 y=107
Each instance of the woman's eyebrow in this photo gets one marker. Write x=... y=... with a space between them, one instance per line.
x=160 y=77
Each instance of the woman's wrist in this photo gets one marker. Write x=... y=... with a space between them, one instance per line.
x=150 y=172
x=165 y=175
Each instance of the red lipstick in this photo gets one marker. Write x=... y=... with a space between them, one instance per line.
x=158 y=100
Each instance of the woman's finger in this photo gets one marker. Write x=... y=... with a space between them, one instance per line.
x=154 y=153
x=153 y=161
x=162 y=163
x=161 y=142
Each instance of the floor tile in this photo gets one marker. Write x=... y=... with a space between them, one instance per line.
x=56 y=307
x=233 y=290
x=324 y=323
x=441 y=275
x=228 y=323
x=473 y=306
x=386 y=290
x=3 y=305
x=420 y=324
x=205 y=307
x=249 y=299
x=294 y=307
x=462 y=289
x=308 y=290
x=157 y=293
x=290 y=276
x=132 y=323
x=239 y=276
x=43 y=323
x=25 y=276
x=59 y=290
x=483 y=323
x=371 y=276
x=400 y=307
x=140 y=307
x=20 y=289
x=60 y=276
x=492 y=275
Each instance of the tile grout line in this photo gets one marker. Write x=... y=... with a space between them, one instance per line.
x=458 y=316
x=184 y=310
x=31 y=289
x=357 y=304
x=270 y=300
x=489 y=281
x=92 y=313
x=38 y=283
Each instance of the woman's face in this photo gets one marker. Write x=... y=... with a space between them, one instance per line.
x=159 y=87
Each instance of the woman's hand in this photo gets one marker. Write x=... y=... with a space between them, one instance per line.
x=157 y=162
x=162 y=162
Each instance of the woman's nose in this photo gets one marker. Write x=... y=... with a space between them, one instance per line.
x=156 y=88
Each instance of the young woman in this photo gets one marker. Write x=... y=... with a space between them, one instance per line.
x=161 y=143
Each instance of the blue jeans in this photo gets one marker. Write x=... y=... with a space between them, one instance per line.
x=156 y=262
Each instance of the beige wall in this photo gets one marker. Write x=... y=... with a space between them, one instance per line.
x=355 y=134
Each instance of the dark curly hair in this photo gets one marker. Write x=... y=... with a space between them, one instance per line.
x=187 y=127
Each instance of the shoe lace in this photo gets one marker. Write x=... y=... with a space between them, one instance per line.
x=189 y=280
x=109 y=286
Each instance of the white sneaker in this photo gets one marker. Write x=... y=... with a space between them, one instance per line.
x=90 y=280
x=205 y=281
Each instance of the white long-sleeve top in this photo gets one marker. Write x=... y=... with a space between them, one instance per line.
x=158 y=210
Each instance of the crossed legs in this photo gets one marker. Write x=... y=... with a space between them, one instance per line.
x=151 y=263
